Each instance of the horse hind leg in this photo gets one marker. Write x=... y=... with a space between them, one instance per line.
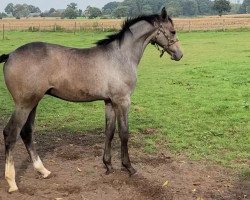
x=26 y=135
x=11 y=132
x=109 y=132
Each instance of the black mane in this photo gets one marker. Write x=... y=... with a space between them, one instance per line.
x=127 y=23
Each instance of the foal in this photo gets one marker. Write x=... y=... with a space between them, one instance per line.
x=105 y=72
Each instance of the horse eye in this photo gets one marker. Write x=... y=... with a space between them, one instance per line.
x=173 y=32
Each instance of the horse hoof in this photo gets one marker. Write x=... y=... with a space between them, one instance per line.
x=13 y=189
x=46 y=173
x=109 y=168
x=123 y=169
x=109 y=171
x=49 y=176
x=132 y=171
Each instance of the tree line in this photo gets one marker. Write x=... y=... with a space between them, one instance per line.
x=19 y=10
x=132 y=8
x=175 y=8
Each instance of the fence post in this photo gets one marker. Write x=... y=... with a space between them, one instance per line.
x=3 y=31
x=223 y=25
x=189 y=26
x=102 y=26
x=75 y=29
x=55 y=27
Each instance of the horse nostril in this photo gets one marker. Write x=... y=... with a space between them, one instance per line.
x=177 y=56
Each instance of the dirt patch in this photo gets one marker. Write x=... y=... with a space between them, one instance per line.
x=69 y=189
x=76 y=162
x=70 y=153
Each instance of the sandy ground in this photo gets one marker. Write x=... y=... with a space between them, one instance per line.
x=75 y=160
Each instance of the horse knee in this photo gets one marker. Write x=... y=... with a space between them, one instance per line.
x=9 y=138
x=124 y=136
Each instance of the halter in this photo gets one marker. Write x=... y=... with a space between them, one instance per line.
x=170 y=42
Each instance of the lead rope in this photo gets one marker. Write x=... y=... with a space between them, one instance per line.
x=162 y=51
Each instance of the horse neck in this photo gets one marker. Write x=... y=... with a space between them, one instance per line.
x=135 y=41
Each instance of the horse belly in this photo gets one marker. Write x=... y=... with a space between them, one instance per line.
x=79 y=95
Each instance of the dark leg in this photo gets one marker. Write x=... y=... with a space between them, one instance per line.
x=122 y=118
x=26 y=135
x=109 y=132
x=11 y=132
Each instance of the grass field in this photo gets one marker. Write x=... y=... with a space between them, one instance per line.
x=199 y=107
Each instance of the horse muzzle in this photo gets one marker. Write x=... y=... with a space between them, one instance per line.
x=177 y=56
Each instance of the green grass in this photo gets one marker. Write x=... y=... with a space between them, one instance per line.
x=199 y=106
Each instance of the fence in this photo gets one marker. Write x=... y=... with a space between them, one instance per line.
x=211 y=24
x=54 y=24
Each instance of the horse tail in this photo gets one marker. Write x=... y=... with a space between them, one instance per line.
x=4 y=58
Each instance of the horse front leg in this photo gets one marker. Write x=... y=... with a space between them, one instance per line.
x=122 y=118
x=109 y=132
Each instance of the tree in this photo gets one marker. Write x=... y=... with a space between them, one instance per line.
x=248 y=9
x=121 y=11
x=92 y=12
x=190 y=8
x=110 y=7
x=245 y=7
x=52 y=10
x=33 y=9
x=221 y=6
x=56 y=13
x=20 y=10
x=174 y=8
x=72 y=5
x=156 y=5
x=9 y=8
x=204 y=7
x=79 y=12
x=3 y=15
x=71 y=11
x=235 y=7
x=147 y=10
x=135 y=7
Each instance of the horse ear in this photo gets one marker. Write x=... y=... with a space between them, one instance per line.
x=164 y=14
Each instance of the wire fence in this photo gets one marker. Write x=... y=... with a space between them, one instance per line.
x=45 y=24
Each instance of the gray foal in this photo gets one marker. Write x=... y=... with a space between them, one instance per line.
x=105 y=72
